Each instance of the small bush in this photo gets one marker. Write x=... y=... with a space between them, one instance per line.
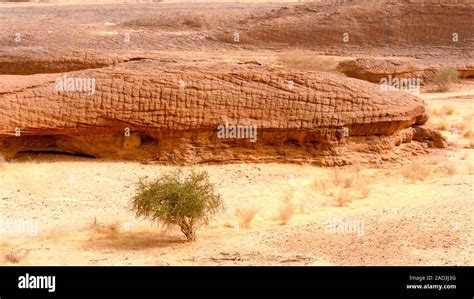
x=445 y=78
x=173 y=199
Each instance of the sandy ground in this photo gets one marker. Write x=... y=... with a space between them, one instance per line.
x=74 y=211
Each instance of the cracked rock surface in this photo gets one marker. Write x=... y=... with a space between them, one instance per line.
x=157 y=96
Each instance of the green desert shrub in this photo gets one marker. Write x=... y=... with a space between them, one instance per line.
x=445 y=78
x=174 y=199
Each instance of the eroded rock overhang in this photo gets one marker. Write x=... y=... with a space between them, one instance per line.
x=172 y=114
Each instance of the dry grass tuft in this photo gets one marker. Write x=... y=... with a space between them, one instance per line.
x=245 y=216
x=450 y=168
x=445 y=78
x=15 y=256
x=460 y=126
x=365 y=192
x=435 y=112
x=471 y=143
x=228 y=225
x=448 y=110
x=349 y=181
x=469 y=134
x=443 y=111
x=344 y=183
x=322 y=185
x=357 y=167
x=287 y=210
x=338 y=177
x=3 y=163
x=415 y=172
x=105 y=231
x=443 y=125
x=344 y=198
x=344 y=180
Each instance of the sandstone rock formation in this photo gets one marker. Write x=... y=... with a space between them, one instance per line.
x=299 y=115
x=415 y=28
x=374 y=69
x=140 y=110
x=81 y=37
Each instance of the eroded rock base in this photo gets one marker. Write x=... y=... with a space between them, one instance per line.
x=326 y=147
